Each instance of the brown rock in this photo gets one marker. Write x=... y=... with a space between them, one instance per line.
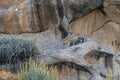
x=14 y=20
x=90 y=23
x=99 y=27
x=8 y=3
x=109 y=35
x=37 y=16
x=112 y=9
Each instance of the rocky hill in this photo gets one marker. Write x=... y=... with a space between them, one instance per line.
x=79 y=36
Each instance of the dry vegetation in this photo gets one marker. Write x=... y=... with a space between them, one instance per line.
x=31 y=71
x=17 y=51
x=34 y=71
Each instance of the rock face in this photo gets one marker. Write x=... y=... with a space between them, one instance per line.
x=41 y=15
x=14 y=19
x=7 y=4
x=102 y=27
x=80 y=37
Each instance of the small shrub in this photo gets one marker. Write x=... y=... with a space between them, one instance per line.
x=16 y=50
x=34 y=71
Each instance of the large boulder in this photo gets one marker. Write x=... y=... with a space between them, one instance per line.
x=102 y=26
x=40 y=15
x=8 y=3
x=14 y=20
x=112 y=9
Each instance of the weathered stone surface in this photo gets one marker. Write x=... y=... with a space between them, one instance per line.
x=110 y=36
x=14 y=20
x=40 y=15
x=104 y=28
x=5 y=4
x=89 y=24
x=112 y=9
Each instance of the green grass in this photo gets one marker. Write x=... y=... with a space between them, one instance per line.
x=34 y=71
